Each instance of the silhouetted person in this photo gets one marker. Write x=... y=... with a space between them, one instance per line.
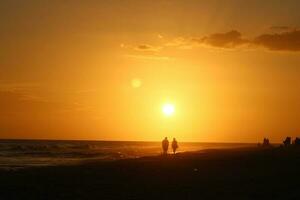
x=297 y=141
x=174 y=145
x=266 y=142
x=287 y=141
x=165 y=146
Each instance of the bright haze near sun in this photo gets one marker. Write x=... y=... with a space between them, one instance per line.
x=168 y=109
x=210 y=71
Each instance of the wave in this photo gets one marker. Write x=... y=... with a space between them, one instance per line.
x=27 y=153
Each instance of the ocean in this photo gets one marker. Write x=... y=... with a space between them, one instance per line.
x=28 y=153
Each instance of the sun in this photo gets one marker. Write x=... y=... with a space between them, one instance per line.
x=168 y=109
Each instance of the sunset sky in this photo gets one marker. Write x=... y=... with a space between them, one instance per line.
x=102 y=70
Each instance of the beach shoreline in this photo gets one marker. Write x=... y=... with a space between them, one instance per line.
x=244 y=173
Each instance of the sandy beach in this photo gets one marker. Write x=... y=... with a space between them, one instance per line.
x=245 y=173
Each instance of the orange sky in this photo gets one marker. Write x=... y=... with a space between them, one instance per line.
x=103 y=69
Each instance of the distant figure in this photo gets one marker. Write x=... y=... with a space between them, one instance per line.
x=297 y=141
x=165 y=146
x=287 y=141
x=174 y=145
x=266 y=142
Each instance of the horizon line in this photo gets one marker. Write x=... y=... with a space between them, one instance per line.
x=99 y=140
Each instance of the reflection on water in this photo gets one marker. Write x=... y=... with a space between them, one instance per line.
x=22 y=153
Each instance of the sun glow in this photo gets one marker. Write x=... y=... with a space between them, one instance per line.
x=168 y=109
x=136 y=83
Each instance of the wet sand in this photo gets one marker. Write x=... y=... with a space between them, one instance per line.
x=248 y=173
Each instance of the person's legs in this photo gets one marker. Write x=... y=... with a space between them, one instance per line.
x=165 y=151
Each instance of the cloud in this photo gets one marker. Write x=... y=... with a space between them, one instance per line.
x=281 y=38
x=148 y=57
x=179 y=41
x=147 y=47
x=229 y=39
x=142 y=48
x=285 y=41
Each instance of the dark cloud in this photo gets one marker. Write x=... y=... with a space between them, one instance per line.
x=285 y=41
x=147 y=47
x=142 y=48
x=282 y=38
x=229 y=39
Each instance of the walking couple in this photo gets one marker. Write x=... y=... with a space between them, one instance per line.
x=165 y=145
